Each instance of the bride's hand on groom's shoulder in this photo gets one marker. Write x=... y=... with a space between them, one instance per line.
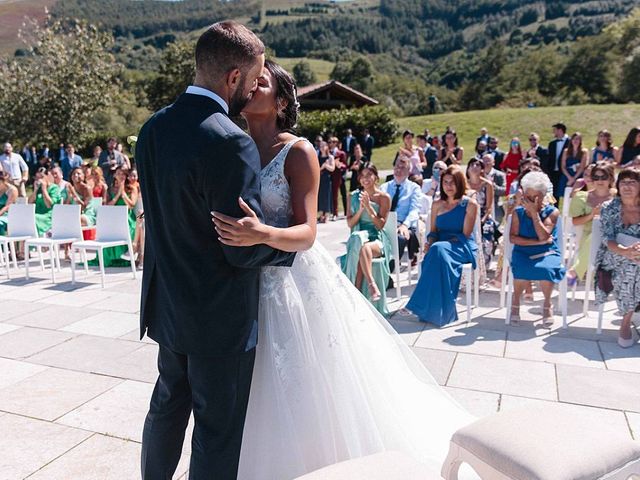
x=240 y=232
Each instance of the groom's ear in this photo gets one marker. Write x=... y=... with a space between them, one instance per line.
x=233 y=79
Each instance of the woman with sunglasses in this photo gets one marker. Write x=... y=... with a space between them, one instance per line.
x=604 y=149
x=585 y=206
x=618 y=260
x=511 y=163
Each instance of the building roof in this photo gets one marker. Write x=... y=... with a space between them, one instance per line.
x=338 y=87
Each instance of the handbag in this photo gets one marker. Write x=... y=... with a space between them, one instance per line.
x=605 y=281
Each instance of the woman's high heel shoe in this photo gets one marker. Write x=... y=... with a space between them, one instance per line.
x=547 y=317
x=374 y=292
x=514 y=319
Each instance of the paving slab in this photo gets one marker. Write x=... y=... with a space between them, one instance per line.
x=6 y=328
x=462 y=338
x=79 y=298
x=105 y=324
x=634 y=424
x=86 y=353
x=14 y=308
x=99 y=458
x=140 y=364
x=52 y=317
x=554 y=349
x=438 y=362
x=599 y=388
x=618 y=358
x=28 y=444
x=504 y=375
x=53 y=392
x=13 y=371
x=27 y=341
x=134 y=336
x=408 y=330
x=29 y=293
x=120 y=302
x=479 y=404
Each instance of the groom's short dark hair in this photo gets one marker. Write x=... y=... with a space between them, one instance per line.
x=225 y=46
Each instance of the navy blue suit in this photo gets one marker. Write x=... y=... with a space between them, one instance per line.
x=199 y=297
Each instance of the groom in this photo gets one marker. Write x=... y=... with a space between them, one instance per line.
x=200 y=297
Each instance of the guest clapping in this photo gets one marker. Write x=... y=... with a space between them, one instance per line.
x=79 y=193
x=451 y=153
x=450 y=245
x=536 y=251
x=358 y=162
x=45 y=195
x=618 y=260
x=367 y=217
x=630 y=149
x=8 y=195
x=413 y=153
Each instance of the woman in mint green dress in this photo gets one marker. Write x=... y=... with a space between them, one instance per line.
x=45 y=195
x=369 y=210
x=79 y=193
x=8 y=195
x=120 y=194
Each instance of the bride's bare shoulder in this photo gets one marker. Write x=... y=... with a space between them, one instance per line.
x=302 y=158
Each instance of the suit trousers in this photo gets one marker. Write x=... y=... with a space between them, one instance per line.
x=412 y=245
x=554 y=176
x=217 y=391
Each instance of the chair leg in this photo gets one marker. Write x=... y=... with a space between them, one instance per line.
x=5 y=252
x=133 y=261
x=600 y=316
x=503 y=283
x=58 y=257
x=101 y=263
x=85 y=261
x=26 y=262
x=398 y=289
x=52 y=256
x=12 y=246
x=509 y=293
x=73 y=265
x=587 y=289
x=41 y=257
x=452 y=463
x=562 y=300
x=468 y=294
x=476 y=287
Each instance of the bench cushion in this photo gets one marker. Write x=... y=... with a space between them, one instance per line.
x=554 y=442
x=380 y=466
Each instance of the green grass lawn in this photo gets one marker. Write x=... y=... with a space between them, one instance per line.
x=508 y=123
x=321 y=68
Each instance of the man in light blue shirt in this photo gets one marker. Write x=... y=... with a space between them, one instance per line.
x=405 y=201
x=69 y=161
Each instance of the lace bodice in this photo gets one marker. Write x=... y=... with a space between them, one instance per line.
x=276 y=196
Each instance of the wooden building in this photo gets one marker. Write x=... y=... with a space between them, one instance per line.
x=332 y=94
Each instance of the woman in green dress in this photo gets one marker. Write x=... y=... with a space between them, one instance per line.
x=120 y=194
x=79 y=193
x=368 y=214
x=8 y=195
x=45 y=195
x=585 y=206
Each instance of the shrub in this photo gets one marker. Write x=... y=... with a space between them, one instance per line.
x=378 y=120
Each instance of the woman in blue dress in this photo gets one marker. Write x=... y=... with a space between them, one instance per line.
x=368 y=215
x=604 y=151
x=327 y=165
x=573 y=163
x=536 y=251
x=450 y=246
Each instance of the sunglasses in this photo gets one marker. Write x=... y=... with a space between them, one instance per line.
x=597 y=178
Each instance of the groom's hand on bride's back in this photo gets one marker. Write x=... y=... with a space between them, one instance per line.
x=240 y=232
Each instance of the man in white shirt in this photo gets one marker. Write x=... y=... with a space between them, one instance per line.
x=15 y=167
x=405 y=201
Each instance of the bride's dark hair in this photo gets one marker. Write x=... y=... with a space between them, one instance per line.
x=286 y=96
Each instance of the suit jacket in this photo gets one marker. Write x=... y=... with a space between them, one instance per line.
x=552 y=158
x=199 y=296
x=543 y=155
x=367 y=146
x=498 y=156
x=351 y=146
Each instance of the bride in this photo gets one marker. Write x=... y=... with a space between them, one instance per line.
x=333 y=380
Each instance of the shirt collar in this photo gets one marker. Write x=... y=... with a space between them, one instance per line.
x=193 y=90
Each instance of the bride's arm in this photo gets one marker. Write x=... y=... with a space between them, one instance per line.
x=303 y=173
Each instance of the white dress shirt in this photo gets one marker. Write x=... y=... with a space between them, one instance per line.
x=14 y=165
x=193 y=90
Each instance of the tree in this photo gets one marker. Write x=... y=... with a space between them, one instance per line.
x=177 y=72
x=357 y=74
x=52 y=93
x=303 y=74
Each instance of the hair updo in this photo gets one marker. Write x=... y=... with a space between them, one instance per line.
x=286 y=96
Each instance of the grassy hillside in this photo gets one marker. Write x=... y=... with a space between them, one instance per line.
x=12 y=16
x=508 y=123
x=321 y=68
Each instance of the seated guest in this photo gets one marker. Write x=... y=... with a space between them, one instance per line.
x=630 y=149
x=366 y=218
x=481 y=190
x=499 y=181
x=431 y=186
x=585 y=206
x=99 y=188
x=536 y=252
x=8 y=195
x=56 y=174
x=618 y=260
x=604 y=150
x=79 y=193
x=572 y=163
x=45 y=195
x=405 y=201
x=449 y=246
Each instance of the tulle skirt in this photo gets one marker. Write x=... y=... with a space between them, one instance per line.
x=334 y=381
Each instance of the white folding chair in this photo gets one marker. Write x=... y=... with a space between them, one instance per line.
x=112 y=230
x=21 y=200
x=506 y=265
x=21 y=226
x=596 y=241
x=65 y=228
x=390 y=229
x=570 y=232
x=562 y=295
x=422 y=238
x=468 y=271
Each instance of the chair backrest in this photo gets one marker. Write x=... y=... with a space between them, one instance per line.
x=425 y=204
x=21 y=200
x=508 y=247
x=596 y=240
x=65 y=222
x=22 y=220
x=95 y=202
x=112 y=223
x=561 y=239
x=390 y=229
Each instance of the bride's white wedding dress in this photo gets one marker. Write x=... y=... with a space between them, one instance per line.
x=332 y=378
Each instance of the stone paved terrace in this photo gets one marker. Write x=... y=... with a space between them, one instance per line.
x=75 y=381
